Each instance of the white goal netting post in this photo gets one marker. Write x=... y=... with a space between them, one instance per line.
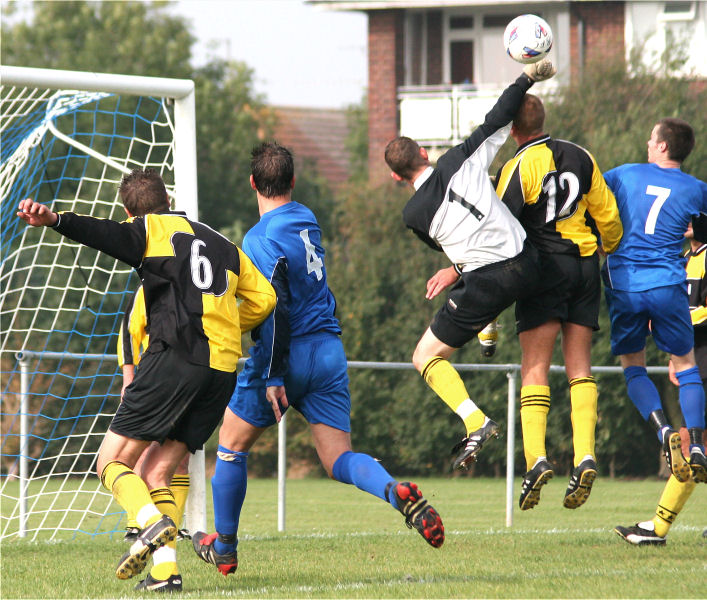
x=67 y=139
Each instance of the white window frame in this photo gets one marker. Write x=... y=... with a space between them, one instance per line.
x=685 y=15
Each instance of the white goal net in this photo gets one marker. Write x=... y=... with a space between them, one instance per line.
x=67 y=140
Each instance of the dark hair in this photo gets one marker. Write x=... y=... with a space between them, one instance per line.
x=678 y=136
x=143 y=192
x=530 y=117
x=273 y=169
x=403 y=157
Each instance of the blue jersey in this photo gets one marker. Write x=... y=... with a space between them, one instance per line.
x=286 y=247
x=655 y=205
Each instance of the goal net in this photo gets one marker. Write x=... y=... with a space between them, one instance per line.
x=67 y=140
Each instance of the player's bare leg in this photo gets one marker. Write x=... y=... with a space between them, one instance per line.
x=431 y=360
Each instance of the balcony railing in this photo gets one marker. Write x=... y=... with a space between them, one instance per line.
x=444 y=115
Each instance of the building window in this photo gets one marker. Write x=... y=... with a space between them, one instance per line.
x=457 y=22
x=461 y=56
x=678 y=11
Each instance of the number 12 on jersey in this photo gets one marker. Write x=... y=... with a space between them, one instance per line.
x=314 y=263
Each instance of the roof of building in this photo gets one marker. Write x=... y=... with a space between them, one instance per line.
x=317 y=134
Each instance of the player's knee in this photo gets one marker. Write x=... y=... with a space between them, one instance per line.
x=419 y=359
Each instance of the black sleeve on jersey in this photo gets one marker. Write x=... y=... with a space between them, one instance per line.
x=502 y=113
x=699 y=227
x=514 y=197
x=281 y=315
x=124 y=241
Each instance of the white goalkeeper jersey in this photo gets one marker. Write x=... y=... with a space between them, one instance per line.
x=455 y=208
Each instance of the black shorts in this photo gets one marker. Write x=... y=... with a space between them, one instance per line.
x=482 y=294
x=171 y=398
x=572 y=295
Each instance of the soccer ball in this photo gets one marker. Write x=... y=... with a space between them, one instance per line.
x=527 y=39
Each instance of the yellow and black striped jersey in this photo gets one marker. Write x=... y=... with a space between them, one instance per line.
x=556 y=190
x=192 y=278
x=133 y=337
x=697 y=286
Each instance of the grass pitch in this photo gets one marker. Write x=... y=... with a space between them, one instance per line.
x=342 y=543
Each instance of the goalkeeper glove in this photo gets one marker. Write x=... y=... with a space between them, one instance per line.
x=541 y=70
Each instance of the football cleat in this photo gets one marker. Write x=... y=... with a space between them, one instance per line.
x=204 y=547
x=698 y=464
x=183 y=534
x=488 y=338
x=533 y=481
x=672 y=450
x=148 y=540
x=172 y=584
x=469 y=447
x=641 y=534
x=580 y=484
x=418 y=513
x=131 y=534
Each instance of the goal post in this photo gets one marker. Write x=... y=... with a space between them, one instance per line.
x=67 y=139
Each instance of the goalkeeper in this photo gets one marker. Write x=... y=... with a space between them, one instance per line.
x=455 y=210
x=193 y=278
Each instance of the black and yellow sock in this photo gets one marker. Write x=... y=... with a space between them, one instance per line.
x=583 y=396
x=130 y=492
x=165 y=558
x=443 y=378
x=534 y=407
x=673 y=498
x=180 y=491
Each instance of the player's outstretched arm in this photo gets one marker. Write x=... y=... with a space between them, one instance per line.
x=36 y=214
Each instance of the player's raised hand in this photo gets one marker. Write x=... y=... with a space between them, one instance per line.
x=36 y=214
x=541 y=70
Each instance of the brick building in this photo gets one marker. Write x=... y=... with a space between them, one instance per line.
x=435 y=67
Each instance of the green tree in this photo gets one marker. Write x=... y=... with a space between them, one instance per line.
x=139 y=38
x=231 y=118
x=357 y=140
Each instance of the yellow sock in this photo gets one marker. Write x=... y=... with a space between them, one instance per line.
x=583 y=396
x=673 y=498
x=443 y=378
x=534 y=406
x=165 y=558
x=180 y=491
x=130 y=492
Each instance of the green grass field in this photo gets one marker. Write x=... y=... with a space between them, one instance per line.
x=342 y=543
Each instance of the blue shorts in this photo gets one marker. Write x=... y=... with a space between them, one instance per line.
x=666 y=308
x=317 y=385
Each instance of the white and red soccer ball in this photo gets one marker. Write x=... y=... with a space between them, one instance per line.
x=527 y=39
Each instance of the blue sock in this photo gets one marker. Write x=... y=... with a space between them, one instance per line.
x=692 y=397
x=642 y=391
x=228 y=487
x=365 y=473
